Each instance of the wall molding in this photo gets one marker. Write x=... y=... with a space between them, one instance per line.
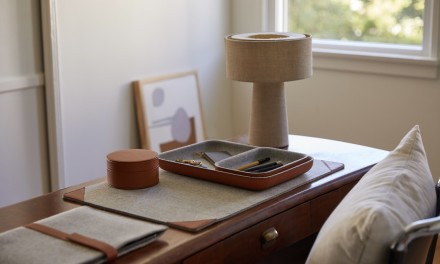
x=21 y=82
x=53 y=94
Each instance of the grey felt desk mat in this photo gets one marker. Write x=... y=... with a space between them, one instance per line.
x=187 y=203
x=23 y=245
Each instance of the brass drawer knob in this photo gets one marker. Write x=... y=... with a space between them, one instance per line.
x=269 y=237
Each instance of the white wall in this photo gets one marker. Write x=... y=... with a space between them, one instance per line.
x=23 y=150
x=104 y=45
x=368 y=109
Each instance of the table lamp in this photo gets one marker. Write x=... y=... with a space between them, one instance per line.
x=268 y=60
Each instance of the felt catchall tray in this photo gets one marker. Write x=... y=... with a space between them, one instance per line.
x=225 y=171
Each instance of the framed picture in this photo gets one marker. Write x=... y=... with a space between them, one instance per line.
x=169 y=111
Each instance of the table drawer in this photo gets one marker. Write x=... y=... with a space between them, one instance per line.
x=274 y=234
x=249 y=245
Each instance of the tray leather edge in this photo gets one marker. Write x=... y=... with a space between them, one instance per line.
x=76 y=195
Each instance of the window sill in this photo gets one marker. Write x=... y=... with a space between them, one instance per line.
x=405 y=66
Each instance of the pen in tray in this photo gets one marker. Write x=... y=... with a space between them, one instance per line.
x=253 y=164
x=265 y=167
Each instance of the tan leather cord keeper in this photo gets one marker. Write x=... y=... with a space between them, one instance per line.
x=132 y=169
x=110 y=252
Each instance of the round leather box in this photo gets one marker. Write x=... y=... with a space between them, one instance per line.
x=132 y=169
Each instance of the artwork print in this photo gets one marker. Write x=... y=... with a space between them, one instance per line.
x=169 y=112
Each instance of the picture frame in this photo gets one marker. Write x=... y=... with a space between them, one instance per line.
x=169 y=112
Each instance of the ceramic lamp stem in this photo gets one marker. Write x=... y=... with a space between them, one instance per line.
x=268 y=124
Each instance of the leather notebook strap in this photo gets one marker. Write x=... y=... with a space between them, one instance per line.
x=110 y=252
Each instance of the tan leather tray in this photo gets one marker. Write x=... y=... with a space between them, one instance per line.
x=299 y=165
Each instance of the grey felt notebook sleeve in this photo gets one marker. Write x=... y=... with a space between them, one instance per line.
x=24 y=245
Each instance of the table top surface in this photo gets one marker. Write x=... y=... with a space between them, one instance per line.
x=175 y=244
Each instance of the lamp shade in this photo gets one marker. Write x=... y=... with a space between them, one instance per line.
x=268 y=57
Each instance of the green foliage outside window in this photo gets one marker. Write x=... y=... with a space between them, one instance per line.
x=384 y=21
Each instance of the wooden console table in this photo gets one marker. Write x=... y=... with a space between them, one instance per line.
x=249 y=237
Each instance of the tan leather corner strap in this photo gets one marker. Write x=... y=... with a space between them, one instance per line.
x=48 y=230
x=110 y=252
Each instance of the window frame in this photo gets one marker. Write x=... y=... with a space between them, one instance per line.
x=377 y=58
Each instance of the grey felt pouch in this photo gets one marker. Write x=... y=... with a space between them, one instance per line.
x=120 y=233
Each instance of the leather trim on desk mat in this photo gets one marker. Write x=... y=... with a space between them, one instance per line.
x=187 y=203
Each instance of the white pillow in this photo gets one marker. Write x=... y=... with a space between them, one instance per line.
x=395 y=192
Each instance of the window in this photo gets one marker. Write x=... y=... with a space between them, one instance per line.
x=380 y=21
x=390 y=31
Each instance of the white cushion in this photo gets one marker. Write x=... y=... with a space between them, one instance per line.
x=395 y=192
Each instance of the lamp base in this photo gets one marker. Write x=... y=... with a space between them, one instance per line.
x=268 y=125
